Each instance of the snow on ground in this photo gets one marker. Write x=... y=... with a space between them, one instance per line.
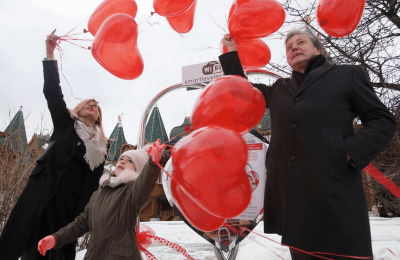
x=385 y=238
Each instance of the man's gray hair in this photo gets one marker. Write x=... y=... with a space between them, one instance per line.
x=314 y=39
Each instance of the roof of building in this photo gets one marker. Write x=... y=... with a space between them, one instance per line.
x=39 y=139
x=117 y=139
x=16 y=140
x=265 y=122
x=179 y=131
x=155 y=127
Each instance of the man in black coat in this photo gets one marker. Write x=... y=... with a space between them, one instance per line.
x=314 y=193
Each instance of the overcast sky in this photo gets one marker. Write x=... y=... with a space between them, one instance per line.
x=26 y=23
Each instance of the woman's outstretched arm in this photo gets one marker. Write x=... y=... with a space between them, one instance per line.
x=51 y=88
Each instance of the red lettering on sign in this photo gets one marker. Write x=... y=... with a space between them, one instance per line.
x=254 y=146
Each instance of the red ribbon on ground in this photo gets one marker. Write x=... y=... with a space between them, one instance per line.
x=145 y=237
x=383 y=179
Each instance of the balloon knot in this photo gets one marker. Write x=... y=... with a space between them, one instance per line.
x=85 y=31
x=188 y=130
x=89 y=48
x=153 y=13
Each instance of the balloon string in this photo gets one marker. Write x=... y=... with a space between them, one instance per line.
x=60 y=52
x=252 y=239
x=187 y=130
x=303 y=251
x=151 y=24
x=216 y=23
x=388 y=250
x=165 y=242
x=149 y=256
x=167 y=173
x=76 y=34
x=68 y=40
x=68 y=37
x=383 y=179
x=147 y=238
x=147 y=21
x=69 y=31
x=172 y=245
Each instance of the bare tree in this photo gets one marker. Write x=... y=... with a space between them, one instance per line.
x=16 y=166
x=387 y=162
x=374 y=44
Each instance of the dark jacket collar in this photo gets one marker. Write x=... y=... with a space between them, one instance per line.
x=314 y=63
x=315 y=74
x=315 y=70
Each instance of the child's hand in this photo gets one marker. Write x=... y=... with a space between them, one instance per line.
x=155 y=151
x=45 y=244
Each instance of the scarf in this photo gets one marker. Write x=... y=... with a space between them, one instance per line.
x=314 y=63
x=96 y=148
x=125 y=177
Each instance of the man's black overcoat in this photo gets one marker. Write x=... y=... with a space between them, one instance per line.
x=313 y=197
x=44 y=180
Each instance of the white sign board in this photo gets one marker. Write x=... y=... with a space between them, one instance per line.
x=257 y=174
x=201 y=73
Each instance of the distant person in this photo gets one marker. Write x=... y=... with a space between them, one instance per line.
x=112 y=211
x=384 y=211
x=375 y=211
x=65 y=177
x=314 y=195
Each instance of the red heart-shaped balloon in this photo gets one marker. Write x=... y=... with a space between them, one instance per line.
x=226 y=197
x=115 y=47
x=250 y=19
x=193 y=213
x=108 y=8
x=253 y=53
x=339 y=18
x=169 y=8
x=183 y=23
x=260 y=106
x=228 y=102
x=209 y=164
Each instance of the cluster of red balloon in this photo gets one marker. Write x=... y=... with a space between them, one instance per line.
x=253 y=53
x=250 y=20
x=339 y=18
x=179 y=13
x=210 y=183
x=115 y=44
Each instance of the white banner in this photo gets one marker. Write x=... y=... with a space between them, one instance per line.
x=257 y=174
x=201 y=73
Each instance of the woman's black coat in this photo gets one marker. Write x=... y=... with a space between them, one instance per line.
x=313 y=197
x=44 y=180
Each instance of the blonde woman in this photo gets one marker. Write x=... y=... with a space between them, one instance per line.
x=65 y=177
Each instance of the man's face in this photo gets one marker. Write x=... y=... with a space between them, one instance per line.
x=299 y=51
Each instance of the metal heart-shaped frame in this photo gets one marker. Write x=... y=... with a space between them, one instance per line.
x=224 y=245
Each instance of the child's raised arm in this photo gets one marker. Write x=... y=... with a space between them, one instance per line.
x=146 y=181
